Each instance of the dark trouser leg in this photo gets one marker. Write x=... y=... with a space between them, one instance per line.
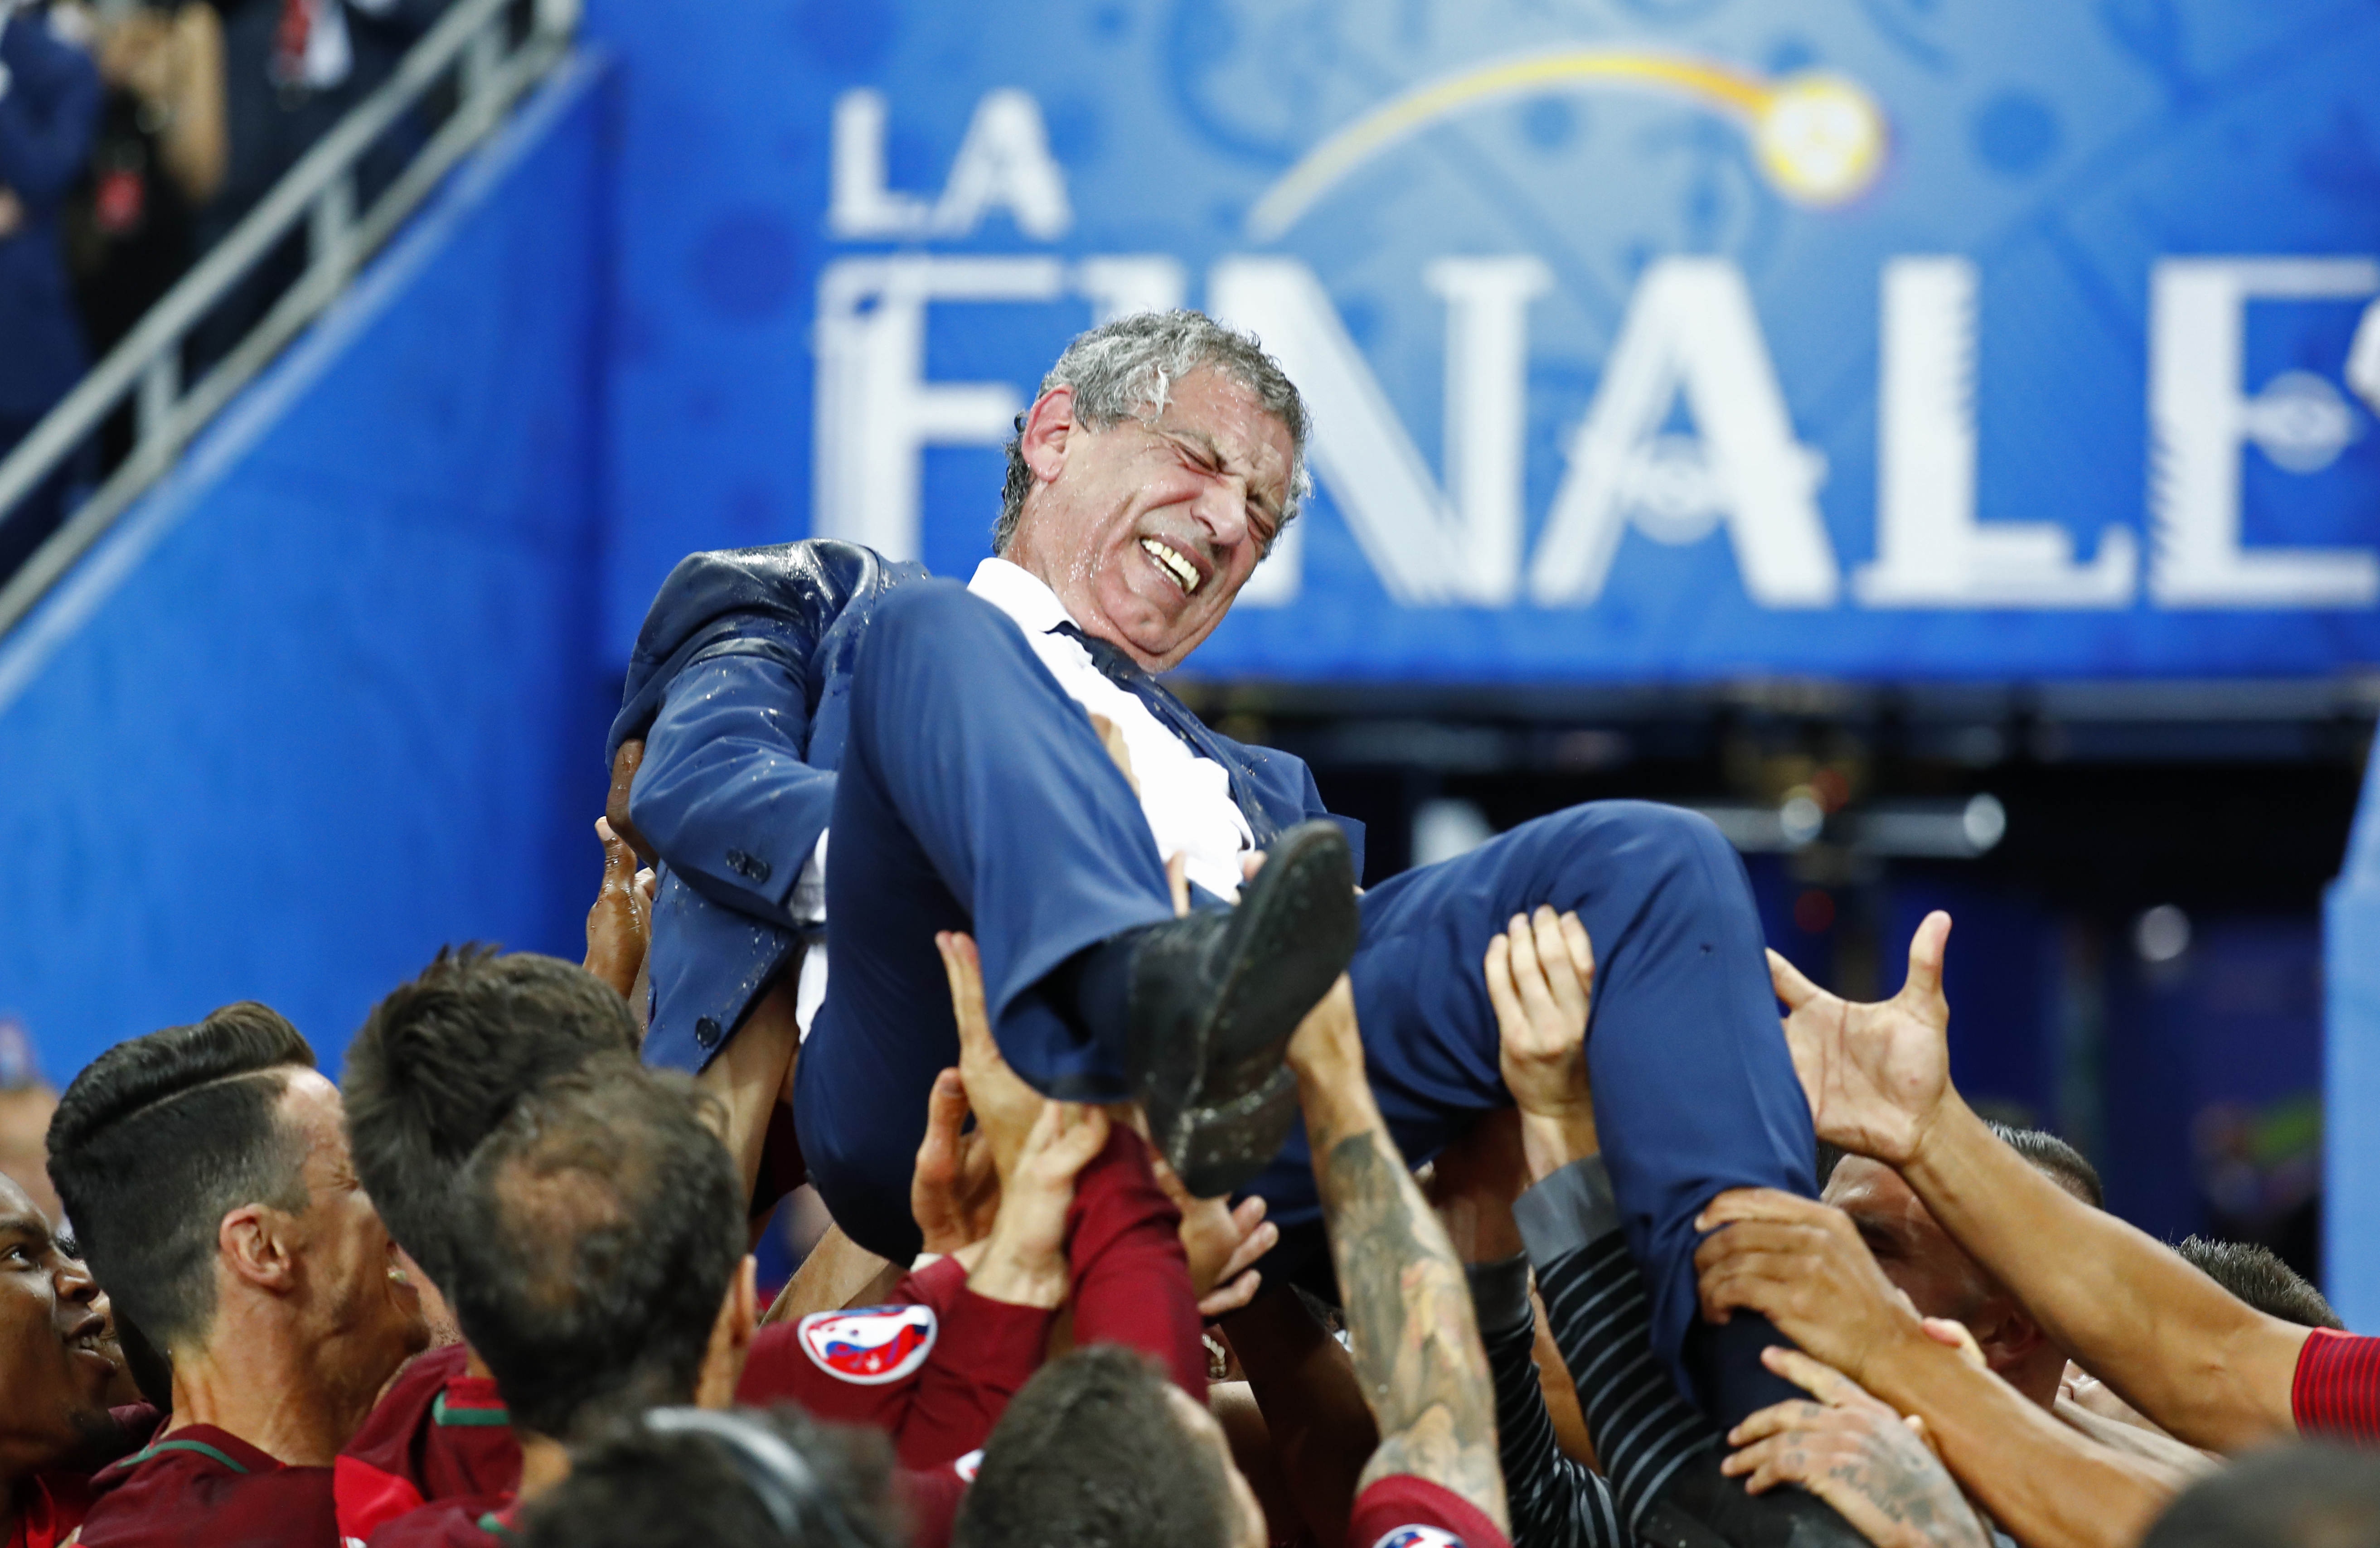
x=974 y=795
x=1694 y=1091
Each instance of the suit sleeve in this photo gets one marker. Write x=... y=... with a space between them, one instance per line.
x=1555 y=1502
x=724 y=794
x=49 y=114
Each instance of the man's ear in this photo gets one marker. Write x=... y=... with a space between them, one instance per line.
x=253 y=1242
x=2005 y=1334
x=1048 y=428
x=731 y=1339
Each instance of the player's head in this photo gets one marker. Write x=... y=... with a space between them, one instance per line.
x=774 y=1480
x=1941 y=1280
x=56 y=1359
x=209 y=1162
x=2257 y=1275
x=2292 y=1496
x=443 y=1058
x=1099 y=1447
x=1162 y=458
x=598 y=1241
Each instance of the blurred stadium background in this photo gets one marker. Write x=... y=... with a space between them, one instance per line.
x=1936 y=441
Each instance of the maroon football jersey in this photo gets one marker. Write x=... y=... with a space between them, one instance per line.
x=201 y=1487
x=437 y=1433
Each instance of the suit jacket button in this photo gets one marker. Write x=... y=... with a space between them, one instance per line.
x=749 y=866
x=705 y=1031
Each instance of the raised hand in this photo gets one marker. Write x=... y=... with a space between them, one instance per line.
x=1221 y=1242
x=1024 y=1262
x=1801 y=1265
x=955 y=1193
x=1875 y=1074
x=1004 y=1106
x=620 y=922
x=1540 y=977
x=625 y=764
x=1856 y=1454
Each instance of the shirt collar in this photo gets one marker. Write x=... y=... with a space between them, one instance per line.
x=1021 y=595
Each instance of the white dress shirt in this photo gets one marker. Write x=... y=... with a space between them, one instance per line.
x=1185 y=798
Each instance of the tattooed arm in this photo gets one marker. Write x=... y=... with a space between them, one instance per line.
x=1416 y=1343
x=1857 y=1455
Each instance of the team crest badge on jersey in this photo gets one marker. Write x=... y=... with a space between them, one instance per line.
x=1418 y=1537
x=870 y=1345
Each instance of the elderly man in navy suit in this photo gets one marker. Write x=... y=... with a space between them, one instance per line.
x=944 y=737
x=49 y=110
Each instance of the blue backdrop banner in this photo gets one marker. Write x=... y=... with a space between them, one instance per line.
x=1648 y=338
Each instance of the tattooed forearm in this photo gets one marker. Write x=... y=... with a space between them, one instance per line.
x=1416 y=1344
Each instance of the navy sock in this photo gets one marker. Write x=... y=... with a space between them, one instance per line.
x=1723 y=1362
x=1092 y=989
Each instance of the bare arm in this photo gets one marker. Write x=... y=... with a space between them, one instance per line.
x=1803 y=1265
x=1416 y=1344
x=2177 y=1346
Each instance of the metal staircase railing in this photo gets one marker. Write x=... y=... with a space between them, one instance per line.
x=475 y=45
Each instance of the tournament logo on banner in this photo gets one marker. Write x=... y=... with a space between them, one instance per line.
x=1670 y=339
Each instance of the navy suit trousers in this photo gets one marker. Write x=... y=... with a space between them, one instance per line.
x=974 y=795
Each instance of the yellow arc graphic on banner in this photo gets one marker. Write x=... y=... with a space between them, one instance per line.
x=1819 y=138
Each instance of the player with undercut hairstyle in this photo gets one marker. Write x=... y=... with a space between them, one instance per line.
x=206 y=1168
x=2257 y=1275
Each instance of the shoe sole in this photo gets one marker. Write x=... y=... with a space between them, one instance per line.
x=1297 y=936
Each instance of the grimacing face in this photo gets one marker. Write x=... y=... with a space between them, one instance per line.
x=1149 y=529
x=56 y=1356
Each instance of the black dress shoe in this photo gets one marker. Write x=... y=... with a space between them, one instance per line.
x=1702 y=1507
x=1215 y=996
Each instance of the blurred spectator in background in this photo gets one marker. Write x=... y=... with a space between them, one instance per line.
x=25 y=1103
x=160 y=157
x=292 y=70
x=49 y=106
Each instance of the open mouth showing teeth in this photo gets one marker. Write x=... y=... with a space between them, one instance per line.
x=89 y=1342
x=1185 y=574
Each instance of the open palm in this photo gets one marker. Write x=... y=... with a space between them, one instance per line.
x=1875 y=1074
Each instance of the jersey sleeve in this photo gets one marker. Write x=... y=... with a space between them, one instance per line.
x=1130 y=1279
x=2337 y=1391
x=934 y=1371
x=1403 y=1511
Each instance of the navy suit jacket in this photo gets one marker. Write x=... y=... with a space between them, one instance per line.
x=740 y=685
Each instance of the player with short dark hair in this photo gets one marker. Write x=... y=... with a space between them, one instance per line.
x=440 y=1062
x=207 y=1169
x=2256 y=1274
x=774 y=1480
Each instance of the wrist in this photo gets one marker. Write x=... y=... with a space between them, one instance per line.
x=1938 y=1134
x=1028 y=1278
x=1551 y=1141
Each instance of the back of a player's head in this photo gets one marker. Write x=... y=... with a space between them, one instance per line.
x=597 y=1232
x=1091 y=1452
x=159 y=1139
x=2294 y=1496
x=2257 y=1275
x=2056 y=1160
x=443 y=1058
x=776 y=1480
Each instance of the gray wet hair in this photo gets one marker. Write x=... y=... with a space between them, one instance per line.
x=1126 y=369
